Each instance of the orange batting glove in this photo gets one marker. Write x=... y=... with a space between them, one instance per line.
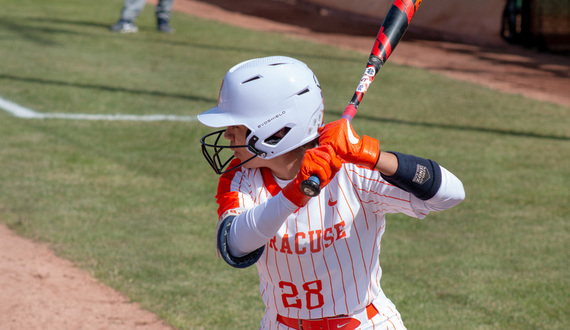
x=321 y=161
x=348 y=145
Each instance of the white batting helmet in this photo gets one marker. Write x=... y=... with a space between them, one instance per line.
x=267 y=95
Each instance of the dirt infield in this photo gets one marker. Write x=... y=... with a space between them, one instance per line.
x=42 y=291
x=504 y=67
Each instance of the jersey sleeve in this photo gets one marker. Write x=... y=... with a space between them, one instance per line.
x=381 y=197
x=234 y=193
x=449 y=194
x=234 y=196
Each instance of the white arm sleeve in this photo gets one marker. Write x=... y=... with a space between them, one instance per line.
x=450 y=193
x=253 y=228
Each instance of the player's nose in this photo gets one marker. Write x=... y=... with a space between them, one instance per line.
x=229 y=134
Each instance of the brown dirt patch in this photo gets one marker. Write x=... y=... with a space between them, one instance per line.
x=39 y=290
x=504 y=67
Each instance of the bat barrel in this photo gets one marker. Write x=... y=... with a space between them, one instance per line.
x=391 y=32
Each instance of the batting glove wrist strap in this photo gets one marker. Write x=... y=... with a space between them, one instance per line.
x=369 y=153
x=292 y=191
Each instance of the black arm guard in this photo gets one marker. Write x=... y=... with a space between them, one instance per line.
x=222 y=243
x=418 y=176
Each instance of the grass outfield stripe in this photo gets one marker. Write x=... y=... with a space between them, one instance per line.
x=23 y=112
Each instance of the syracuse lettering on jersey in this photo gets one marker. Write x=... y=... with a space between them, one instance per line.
x=315 y=240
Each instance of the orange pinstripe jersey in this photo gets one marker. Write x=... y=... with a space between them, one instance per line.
x=324 y=259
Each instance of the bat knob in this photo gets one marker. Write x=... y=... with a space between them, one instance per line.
x=312 y=186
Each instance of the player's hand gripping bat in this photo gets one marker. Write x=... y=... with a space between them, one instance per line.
x=391 y=32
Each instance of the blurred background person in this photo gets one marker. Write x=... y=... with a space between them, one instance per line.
x=132 y=9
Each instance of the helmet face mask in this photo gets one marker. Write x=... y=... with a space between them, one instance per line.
x=220 y=155
x=278 y=99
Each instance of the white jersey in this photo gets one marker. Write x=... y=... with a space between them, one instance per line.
x=324 y=259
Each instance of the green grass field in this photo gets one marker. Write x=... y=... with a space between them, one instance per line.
x=133 y=202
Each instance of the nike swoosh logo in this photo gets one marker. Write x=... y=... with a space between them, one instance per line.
x=338 y=326
x=351 y=138
x=331 y=202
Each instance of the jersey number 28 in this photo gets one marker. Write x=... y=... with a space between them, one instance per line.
x=313 y=297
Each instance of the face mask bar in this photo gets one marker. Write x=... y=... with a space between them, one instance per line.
x=213 y=151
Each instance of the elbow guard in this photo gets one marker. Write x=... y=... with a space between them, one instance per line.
x=222 y=244
x=418 y=176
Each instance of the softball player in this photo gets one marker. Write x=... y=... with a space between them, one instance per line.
x=317 y=258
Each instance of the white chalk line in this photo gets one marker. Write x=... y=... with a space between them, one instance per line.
x=23 y=112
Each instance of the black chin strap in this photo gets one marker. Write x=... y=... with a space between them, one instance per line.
x=253 y=149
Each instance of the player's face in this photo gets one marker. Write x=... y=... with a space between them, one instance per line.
x=237 y=136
